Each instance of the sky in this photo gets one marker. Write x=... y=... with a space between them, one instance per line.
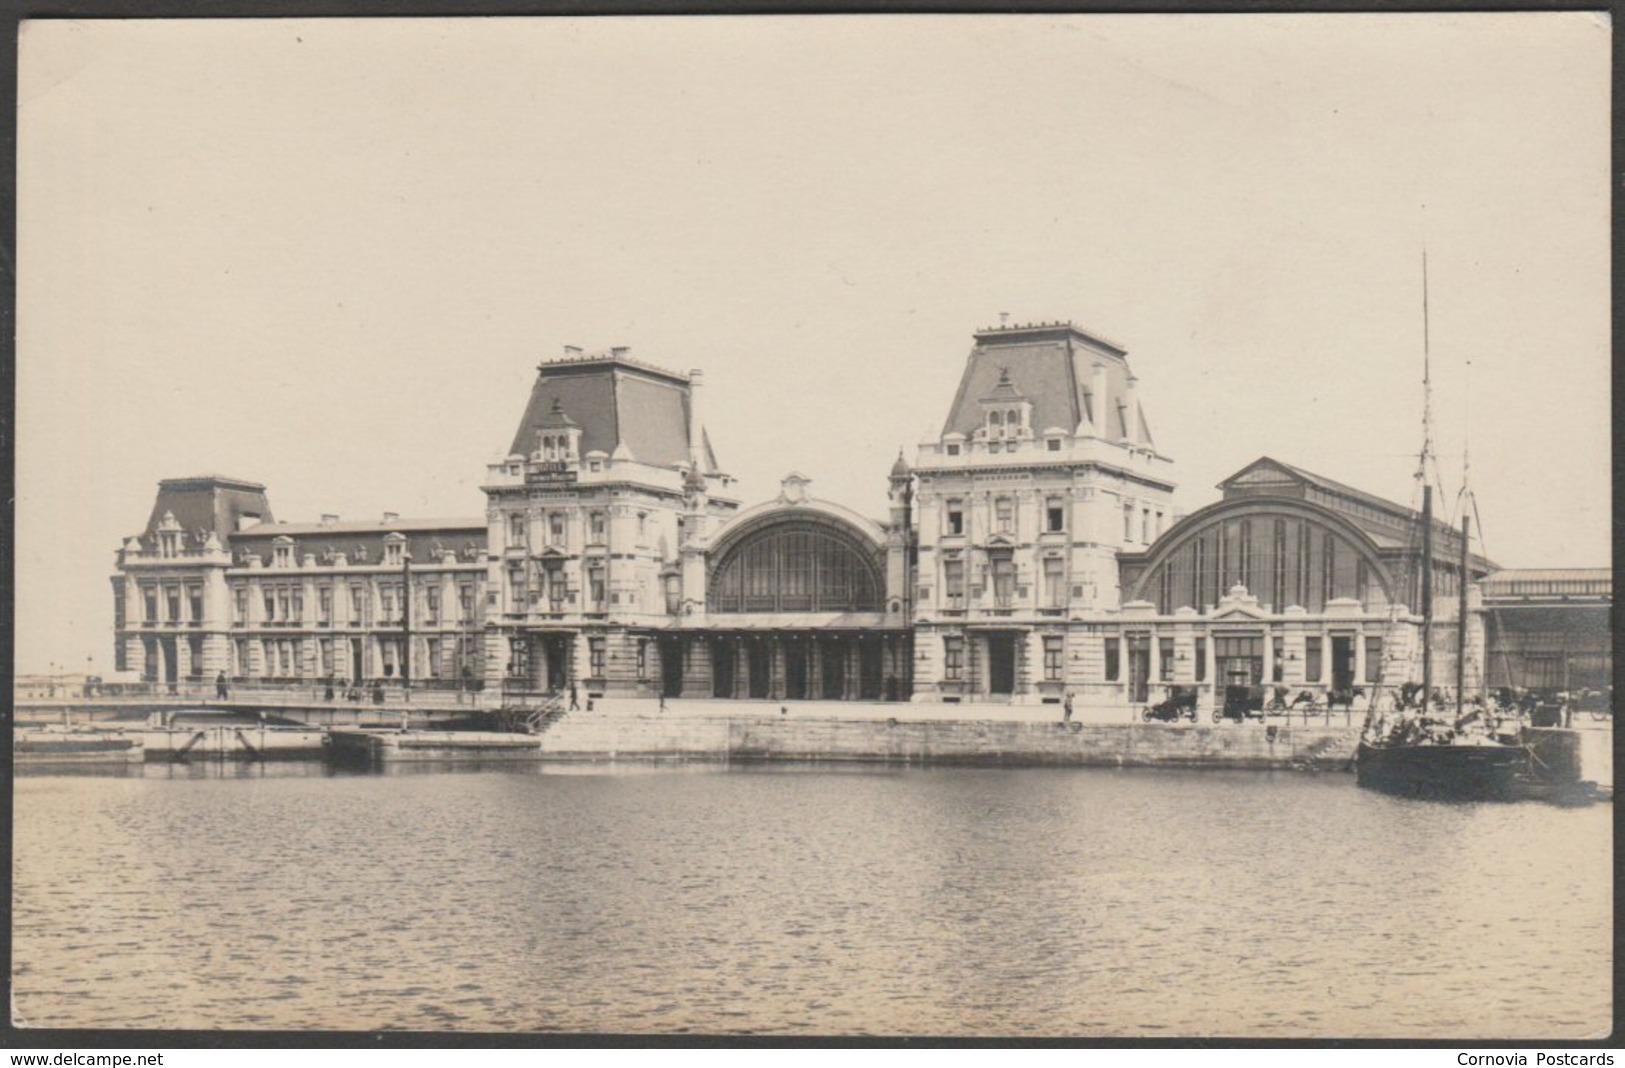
x=328 y=255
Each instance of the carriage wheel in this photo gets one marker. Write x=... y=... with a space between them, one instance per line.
x=1217 y=715
x=1145 y=714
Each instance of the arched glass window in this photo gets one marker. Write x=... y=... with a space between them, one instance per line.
x=797 y=568
x=1304 y=563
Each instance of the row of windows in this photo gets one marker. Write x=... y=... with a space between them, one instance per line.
x=1051 y=444
x=1004 y=515
x=1227 y=650
x=557 y=526
x=1005 y=591
x=286 y=604
x=172 y=604
x=285 y=658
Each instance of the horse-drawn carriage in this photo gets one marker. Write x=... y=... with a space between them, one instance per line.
x=1180 y=704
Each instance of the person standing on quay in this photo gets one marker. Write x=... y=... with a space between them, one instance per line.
x=220 y=689
x=1066 y=716
x=662 y=707
x=575 y=701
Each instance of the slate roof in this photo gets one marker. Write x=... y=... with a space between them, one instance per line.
x=616 y=401
x=208 y=502
x=1050 y=364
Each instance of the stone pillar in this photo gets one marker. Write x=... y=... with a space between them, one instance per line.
x=1359 y=656
x=815 y=668
x=741 y=670
x=775 y=686
x=850 y=687
x=1269 y=662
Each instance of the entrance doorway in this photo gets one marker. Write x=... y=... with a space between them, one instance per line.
x=1001 y=664
x=671 y=667
x=1139 y=667
x=1342 y=663
x=795 y=669
x=358 y=663
x=722 y=667
x=556 y=650
x=760 y=660
x=833 y=655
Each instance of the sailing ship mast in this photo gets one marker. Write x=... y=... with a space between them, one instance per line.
x=1427 y=497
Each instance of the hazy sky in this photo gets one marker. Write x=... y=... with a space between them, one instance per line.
x=327 y=255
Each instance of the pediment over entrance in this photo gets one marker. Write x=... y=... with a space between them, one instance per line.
x=1239 y=604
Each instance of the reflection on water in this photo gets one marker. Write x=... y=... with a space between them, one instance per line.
x=802 y=901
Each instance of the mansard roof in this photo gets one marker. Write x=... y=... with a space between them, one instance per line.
x=616 y=401
x=214 y=503
x=1050 y=364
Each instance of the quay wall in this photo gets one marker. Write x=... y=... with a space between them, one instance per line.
x=978 y=742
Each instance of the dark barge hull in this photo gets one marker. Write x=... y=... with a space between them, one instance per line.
x=1453 y=772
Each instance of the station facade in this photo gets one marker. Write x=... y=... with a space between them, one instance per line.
x=1032 y=550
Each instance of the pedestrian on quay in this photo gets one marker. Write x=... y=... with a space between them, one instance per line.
x=662 y=707
x=220 y=689
x=575 y=701
x=1066 y=717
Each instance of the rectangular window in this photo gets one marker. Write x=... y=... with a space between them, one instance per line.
x=1157 y=533
x=643 y=657
x=358 y=605
x=324 y=605
x=1145 y=526
x=953 y=450
x=516 y=529
x=270 y=605
x=1201 y=660
x=431 y=656
x=1004 y=511
x=172 y=600
x=1373 y=659
x=556 y=528
x=953 y=582
x=1278 y=660
x=297 y=603
x=1311 y=660
x=465 y=601
x=1004 y=581
x=1053 y=653
x=431 y=605
x=516 y=588
x=1165 y=659
x=239 y=657
x=956 y=518
x=268 y=653
x=595 y=588
x=150 y=597
x=953 y=659
x=1113 y=659
x=598 y=525
x=386 y=604
x=1054 y=444
x=240 y=604
x=1054 y=516
x=595 y=657
x=1128 y=522
x=194 y=594
x=1054 y=582
x=326 y=647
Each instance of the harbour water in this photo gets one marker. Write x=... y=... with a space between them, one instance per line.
x=803 y=901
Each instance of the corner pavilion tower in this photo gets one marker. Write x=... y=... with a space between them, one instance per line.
x=1045 y=470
